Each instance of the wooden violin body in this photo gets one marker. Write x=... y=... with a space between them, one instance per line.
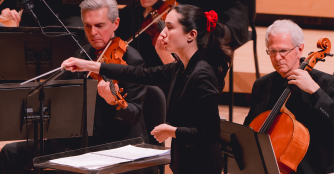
x=113 y=53
x=290 y=139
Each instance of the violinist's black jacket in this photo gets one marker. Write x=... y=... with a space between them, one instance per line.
x=192 y=107
x=315 y=112
x=115 y=125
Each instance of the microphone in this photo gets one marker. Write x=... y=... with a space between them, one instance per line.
x=27 y=5
x=51 y=78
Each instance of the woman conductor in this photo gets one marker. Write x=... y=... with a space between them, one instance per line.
x=194 y=85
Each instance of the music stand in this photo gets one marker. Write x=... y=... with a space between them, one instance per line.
x=246 y=151
x=26 y=52
x=44 y=161
x=63 y=109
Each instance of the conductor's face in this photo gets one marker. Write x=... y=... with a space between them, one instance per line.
x=98 y=28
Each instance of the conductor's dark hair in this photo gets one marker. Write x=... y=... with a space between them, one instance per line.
x=218 y=54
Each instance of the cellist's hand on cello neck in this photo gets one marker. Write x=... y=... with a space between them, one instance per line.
x=74 y=64
x=303 y=80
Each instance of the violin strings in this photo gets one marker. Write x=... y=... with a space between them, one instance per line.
x=161 y=25
x=113 y=88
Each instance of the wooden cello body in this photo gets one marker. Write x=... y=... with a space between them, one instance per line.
x=290 y=139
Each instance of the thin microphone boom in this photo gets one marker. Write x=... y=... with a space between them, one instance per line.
x=27 y=5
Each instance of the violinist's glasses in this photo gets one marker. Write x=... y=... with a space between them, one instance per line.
x=282 y=52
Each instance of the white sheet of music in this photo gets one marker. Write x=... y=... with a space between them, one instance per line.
x=89 y=161
x=104 y=158
x=131 y=152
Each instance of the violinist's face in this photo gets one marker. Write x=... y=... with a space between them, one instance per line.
x=98 y=28
x=174 y=38
x=147 y=3
x=284 y=65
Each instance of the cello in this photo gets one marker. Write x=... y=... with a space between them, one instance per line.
x=290 y=139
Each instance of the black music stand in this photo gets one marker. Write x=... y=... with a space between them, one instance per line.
x=44 y=161
x=63 y=109
x=246 y=151
x=26 y=52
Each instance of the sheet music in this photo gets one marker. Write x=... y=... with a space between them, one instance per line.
x=104 y=158
x=131 y=152
x=89 y=161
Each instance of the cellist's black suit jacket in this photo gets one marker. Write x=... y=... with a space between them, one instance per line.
x=192 y=107
x=315 y=112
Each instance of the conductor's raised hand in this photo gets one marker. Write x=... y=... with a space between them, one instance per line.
x=160 y=47
x=74 y=64
x=163 y=131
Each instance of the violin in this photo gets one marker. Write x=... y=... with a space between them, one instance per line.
x=290 y=139
x=154 y=23
x=113 y=53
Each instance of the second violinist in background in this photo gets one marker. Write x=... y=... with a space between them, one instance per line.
x=10 y=18
x=100 y=18
x=312 y=102
x=153 y=55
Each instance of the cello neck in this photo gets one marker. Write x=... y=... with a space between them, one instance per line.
x=276 y=109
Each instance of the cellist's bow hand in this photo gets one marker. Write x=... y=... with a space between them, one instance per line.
x=75 y=64
x=303 y=80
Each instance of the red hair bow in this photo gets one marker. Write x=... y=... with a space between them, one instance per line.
x=212 y=18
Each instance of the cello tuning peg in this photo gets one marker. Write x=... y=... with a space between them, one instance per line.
x=121 y=89
x=302 y=59
x=329 y=54
x=322 y=60
x=125 y=95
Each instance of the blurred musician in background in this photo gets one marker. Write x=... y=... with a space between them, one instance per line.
x=152 y=56
x=68 y=12
x=232 y=13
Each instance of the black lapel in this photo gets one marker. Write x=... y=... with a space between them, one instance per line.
x=190 y=67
